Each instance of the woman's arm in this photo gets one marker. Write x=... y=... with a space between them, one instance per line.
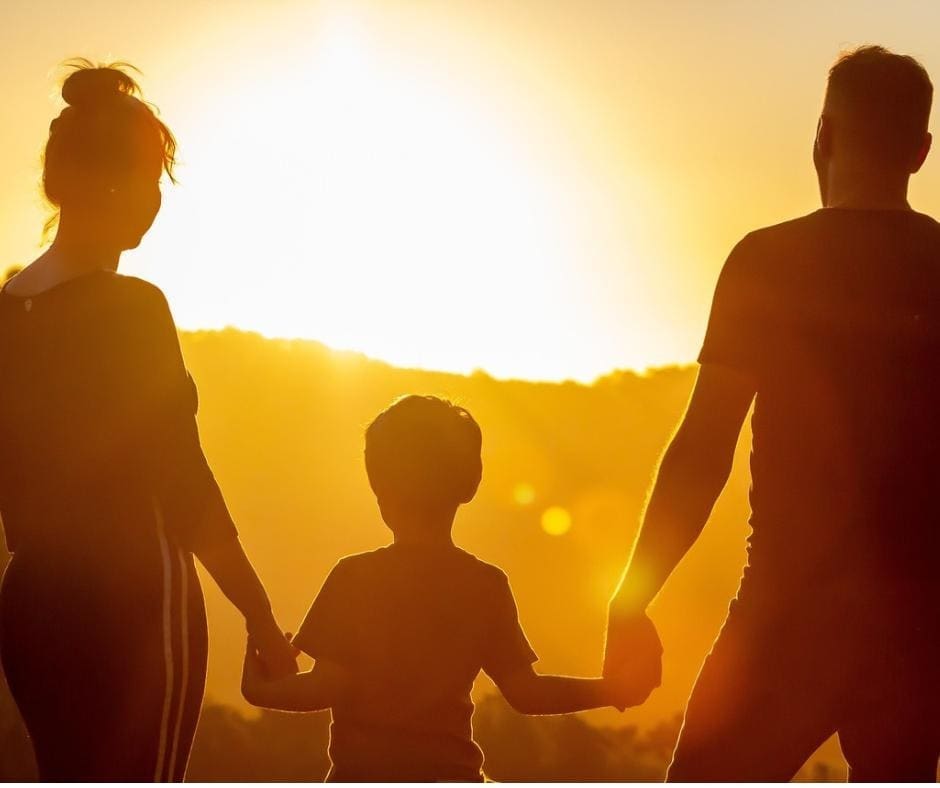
x=226 y=561
x=530 y=693
x=163 y=409
x=314 y=690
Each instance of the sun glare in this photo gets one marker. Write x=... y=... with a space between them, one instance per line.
x=363 y=198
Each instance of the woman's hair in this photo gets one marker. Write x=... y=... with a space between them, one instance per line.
x=105 y=129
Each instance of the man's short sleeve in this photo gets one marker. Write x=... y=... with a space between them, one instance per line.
x=735 y=334
x=507 y=647
x=326 y=631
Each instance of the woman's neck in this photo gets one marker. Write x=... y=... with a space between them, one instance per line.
x=80 y=252
x=70 y=256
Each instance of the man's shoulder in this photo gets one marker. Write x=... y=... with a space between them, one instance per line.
x=765 y=254
x=811 y=224
x=772 y=234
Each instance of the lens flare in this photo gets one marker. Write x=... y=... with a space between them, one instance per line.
x=556 y=521
x=523 y=494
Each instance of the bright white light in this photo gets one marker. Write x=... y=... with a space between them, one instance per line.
x=374 y=203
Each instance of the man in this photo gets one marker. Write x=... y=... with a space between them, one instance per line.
x=832 y=321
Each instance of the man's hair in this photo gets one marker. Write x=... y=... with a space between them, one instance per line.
x=882 y=101
x=424 y=451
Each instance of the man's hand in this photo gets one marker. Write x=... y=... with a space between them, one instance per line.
x=633 y=656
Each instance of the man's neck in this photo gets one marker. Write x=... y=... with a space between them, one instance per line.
x=868 y=190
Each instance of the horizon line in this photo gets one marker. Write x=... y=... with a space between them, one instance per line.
x=480 y=371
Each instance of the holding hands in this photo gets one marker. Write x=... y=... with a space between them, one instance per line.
x=271 y=651
x=633 y=657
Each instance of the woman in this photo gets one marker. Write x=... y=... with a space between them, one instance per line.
x=105 y=493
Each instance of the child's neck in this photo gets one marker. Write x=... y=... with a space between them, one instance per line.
x=423 y=538
x=428 y=528
x=419 y=526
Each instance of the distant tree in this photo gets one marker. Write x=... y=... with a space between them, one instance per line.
x=293 y=747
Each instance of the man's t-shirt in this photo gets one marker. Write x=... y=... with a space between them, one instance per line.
x=836 y=318
x=413 y=626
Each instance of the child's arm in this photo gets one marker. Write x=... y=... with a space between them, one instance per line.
x=530 y=693
x=313 y=690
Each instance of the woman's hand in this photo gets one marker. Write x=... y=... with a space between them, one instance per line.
x=274 y=650
x=230 y=568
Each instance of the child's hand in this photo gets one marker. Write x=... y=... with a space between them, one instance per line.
x=615 y=694
x=253 y=673
x=277 y=654
x=623 y=690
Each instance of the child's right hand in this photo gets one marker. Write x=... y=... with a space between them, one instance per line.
x=621 y=692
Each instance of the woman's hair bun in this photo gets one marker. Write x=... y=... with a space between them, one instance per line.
x=106 y=129
x=91 y=85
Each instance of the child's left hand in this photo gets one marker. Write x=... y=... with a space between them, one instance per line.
x=253 y=672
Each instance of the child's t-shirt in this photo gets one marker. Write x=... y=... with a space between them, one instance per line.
x=413 y=625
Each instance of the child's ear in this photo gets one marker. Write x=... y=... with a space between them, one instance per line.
x=473 y=484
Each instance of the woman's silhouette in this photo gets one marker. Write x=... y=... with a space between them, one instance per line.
x=105 y=493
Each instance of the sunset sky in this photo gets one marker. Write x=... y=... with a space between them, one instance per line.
x=537 y=189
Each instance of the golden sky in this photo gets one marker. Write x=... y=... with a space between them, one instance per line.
x=538 y=189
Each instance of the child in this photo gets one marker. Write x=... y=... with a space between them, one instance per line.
x=399 y=634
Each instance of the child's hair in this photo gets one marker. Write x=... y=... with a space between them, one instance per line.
x=424 y=451
x=105 y=129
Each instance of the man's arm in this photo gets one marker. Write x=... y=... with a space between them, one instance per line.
x=691 y=475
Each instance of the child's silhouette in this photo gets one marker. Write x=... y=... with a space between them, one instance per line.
x=399 y=634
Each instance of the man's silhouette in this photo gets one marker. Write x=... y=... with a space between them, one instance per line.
x=832 y=321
